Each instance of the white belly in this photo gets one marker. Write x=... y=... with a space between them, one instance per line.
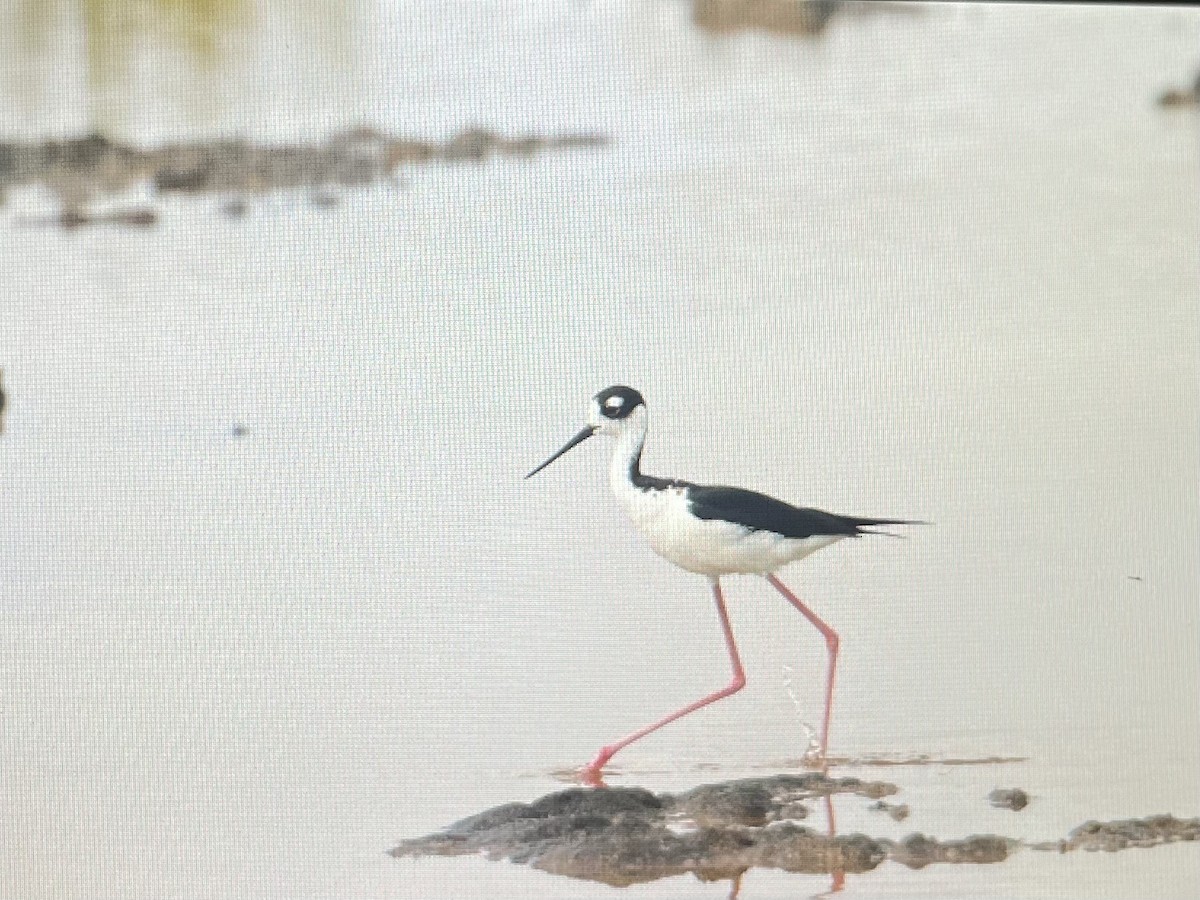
x=711 y=547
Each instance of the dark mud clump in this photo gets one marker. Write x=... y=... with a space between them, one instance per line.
x=1126 y=833
x=82 y=171
x=1009 y=798
x=917 y=851
x=755 y=802
x=623 y=836
x=897 y=811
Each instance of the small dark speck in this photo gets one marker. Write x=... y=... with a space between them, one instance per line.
x=73 y=218
x=1014 y=799
x=324 y=200
x=141 y=217
x=1135 y=577
x=234 y=208
x=239 y=430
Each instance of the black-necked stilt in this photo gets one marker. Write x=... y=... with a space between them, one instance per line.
x=711 y=530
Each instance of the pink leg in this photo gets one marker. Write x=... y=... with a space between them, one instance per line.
x=592 y=770
x=839 y=876
x=831 y=642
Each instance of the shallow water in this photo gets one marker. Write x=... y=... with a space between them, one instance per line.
x=937 y=266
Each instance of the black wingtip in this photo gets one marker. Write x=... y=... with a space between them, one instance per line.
x=868 y=526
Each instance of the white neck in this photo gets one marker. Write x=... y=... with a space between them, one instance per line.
x=627 y=451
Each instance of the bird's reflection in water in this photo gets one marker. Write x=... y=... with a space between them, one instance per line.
x=837 y=878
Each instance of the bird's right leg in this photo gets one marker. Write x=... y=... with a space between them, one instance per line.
x=592 y=771
x=831 y=645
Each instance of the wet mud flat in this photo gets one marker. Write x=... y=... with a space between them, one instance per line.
x=84 y=172
x=627 y=835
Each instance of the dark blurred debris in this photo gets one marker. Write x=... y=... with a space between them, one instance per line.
x=898 y=811
x=1176 y=97
x=324 y=200
x=83 y=171
x=2 y=401
x=139 y=217
x=808 y=17
x=75 y=216
x=474 y=143
x=234 y=208
x=1014 y=799
x=790 y=18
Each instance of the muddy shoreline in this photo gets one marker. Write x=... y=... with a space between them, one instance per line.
x=623 y=836
x=89 y=172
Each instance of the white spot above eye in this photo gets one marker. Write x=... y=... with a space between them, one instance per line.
x=614 y=402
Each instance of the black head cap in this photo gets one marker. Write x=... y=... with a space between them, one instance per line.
x=618 y=401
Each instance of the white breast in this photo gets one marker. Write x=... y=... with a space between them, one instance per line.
x=709 y=546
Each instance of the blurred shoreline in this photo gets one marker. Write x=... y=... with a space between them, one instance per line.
x=82 y=172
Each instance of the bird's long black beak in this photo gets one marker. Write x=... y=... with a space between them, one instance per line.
x=583 y=435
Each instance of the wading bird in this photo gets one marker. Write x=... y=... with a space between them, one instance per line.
x=711 y=530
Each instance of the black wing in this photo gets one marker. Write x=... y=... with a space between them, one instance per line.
x=758 y=512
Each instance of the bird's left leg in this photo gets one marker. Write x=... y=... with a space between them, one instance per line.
x=592 y=773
